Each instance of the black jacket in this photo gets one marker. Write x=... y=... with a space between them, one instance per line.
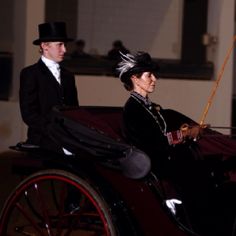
x=142 y=131
x=39 y=93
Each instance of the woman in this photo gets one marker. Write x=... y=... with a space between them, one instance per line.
x=148 y=127
x=144 y=121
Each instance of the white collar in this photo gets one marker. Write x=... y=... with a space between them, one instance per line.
x=48 y=62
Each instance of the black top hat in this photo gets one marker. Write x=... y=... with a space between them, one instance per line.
x=134 y=64
x=52 y=32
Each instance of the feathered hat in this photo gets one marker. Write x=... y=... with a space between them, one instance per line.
x=134 y=64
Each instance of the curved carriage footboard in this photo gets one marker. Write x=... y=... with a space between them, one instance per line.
x=87 y=136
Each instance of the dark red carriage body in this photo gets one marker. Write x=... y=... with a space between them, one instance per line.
x=135 y=197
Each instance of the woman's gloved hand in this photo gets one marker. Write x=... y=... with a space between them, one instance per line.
x=191 y=132
x=186 y=132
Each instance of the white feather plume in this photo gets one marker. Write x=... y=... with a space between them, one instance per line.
x=128 y=62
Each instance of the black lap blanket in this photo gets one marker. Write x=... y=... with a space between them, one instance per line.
x=87 y=133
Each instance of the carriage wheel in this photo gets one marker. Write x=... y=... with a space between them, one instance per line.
x=56 y=202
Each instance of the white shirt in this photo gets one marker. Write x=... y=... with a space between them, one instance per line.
x=53 y=66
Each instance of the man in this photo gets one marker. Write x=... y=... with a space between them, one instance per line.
x=44 y=84
x=117 y=48
x=79 y=51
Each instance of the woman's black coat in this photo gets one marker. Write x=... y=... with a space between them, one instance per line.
x=142 y=131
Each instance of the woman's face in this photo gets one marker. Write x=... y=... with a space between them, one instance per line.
x=144 y=84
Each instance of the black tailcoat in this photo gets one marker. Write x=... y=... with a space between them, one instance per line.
x=39 y=93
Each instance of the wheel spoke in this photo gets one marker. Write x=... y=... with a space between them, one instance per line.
x=30 y=219
x=43 y=206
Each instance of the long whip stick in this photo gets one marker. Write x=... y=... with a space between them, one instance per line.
x=207 y=107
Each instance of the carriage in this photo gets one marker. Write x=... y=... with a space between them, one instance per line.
x=106 y=187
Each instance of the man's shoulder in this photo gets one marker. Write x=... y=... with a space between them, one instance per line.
x=31 y=67
x=66 y=72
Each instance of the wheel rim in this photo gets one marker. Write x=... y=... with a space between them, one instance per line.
x=39 y=206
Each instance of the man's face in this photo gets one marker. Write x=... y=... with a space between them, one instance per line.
x=54 y=51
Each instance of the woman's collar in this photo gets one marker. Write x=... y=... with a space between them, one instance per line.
x=145 y=100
